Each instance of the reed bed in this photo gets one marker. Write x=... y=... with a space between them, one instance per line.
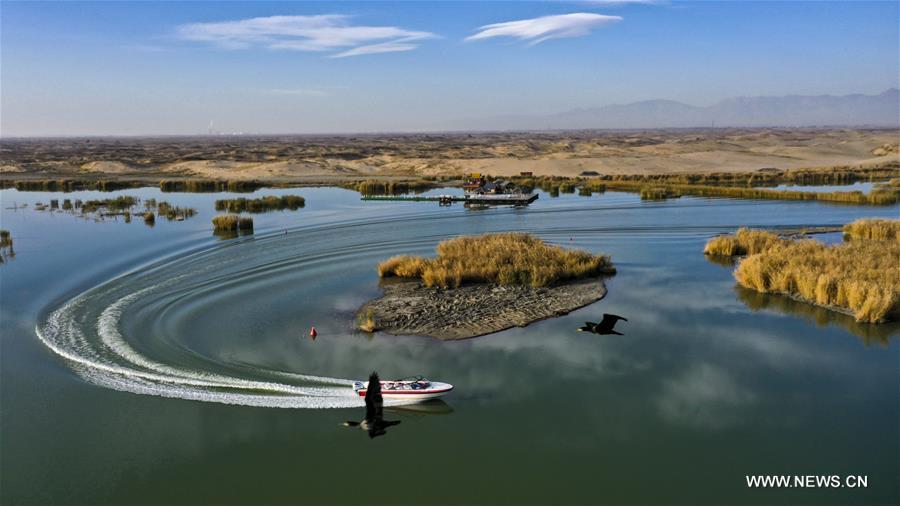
x=658 y=193
x=118 y=204
x=873 y=229
x=69 y=185
x=505 y=259
x=595 y=186
x=878 y=196
x=232 y=222
x=376 y=187
x=860 y=278
x=772 y=176
x=208 y=185
x=745 y=242
x=261 y=205
x=567 y=187
x=171 y=212
x=149 y=218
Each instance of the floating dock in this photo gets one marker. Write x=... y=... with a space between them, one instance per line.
x=515 y=199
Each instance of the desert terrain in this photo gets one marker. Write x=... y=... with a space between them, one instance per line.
x=329 y=159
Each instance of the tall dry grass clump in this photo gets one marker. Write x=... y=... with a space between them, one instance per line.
x=232 y=222
x=873 y=229
x=880 y=196
x=376 y=187
x=506 y=259
x=745 y=242
x=658 y=193
x=262 y=204
x=207 y=185
x=860 y=277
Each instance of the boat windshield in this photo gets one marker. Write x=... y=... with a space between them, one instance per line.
x=414 y=383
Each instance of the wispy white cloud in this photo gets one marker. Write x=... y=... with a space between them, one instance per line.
x=537 y=30
x=384 y=47
x=327 y=32
x=623 y=2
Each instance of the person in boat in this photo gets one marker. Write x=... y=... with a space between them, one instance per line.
x=374 y=422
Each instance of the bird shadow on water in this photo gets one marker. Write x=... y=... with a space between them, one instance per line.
x=868 y=333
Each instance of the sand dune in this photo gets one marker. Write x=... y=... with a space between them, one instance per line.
x=305 y=159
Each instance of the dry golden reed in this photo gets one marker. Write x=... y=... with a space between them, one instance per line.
x=744 y=242
x=506 y=259
x=232 y=222
x=873 y=229
x=879 y=196
x=262 y=204
x=861 y=277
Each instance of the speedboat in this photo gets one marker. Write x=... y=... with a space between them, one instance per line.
x=412 y=389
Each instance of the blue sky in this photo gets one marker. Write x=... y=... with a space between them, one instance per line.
x=134 y=68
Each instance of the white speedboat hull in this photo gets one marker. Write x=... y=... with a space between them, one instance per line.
x=400 y=390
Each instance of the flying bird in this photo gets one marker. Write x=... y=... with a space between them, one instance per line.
x=374 y=422
x=605 y=326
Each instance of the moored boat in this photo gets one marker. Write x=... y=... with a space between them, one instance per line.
x=409 y=389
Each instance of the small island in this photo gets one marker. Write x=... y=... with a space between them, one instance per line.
x=481 y=285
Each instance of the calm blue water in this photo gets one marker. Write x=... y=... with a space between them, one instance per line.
x=181 y=346
x=859 y=186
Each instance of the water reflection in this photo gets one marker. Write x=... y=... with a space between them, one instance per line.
x=230 y=234
x=869 y=333
x=429 y=407
x=721 y=260
x=374 y=423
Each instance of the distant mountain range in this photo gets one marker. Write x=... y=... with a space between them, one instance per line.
x=882 y=110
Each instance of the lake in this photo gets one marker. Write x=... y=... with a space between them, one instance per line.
x=190 y=378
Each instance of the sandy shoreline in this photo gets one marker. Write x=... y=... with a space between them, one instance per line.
x=409 y=308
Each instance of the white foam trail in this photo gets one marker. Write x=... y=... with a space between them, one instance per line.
x=112 y=363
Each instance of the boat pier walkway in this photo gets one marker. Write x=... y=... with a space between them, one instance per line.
x=516 y=199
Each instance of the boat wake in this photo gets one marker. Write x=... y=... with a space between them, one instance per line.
x=135 y=333
x=95 y=348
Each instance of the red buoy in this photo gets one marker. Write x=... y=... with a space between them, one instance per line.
x=312 y=332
